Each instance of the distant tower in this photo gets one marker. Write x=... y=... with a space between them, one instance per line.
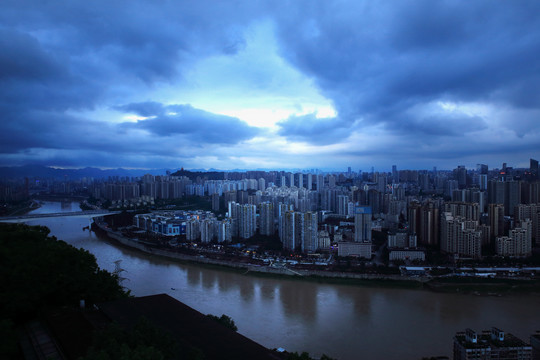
x=461 y=176
x=482 y=169
x=118 y=271
x=534 y=169
x=262 y=184
x=300 y=180
x=266 y=219
x=413 y=216
x=496 y=219
x=215 y=202
x=309 y=182
x=320 y=182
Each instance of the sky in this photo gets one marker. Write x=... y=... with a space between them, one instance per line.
x=269 y=84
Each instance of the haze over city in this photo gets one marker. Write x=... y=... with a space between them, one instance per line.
x=269 y=84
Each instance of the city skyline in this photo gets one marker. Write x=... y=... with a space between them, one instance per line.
x=268 y=85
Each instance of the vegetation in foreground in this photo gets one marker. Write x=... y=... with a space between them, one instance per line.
x=225 y=321
x=39 y=272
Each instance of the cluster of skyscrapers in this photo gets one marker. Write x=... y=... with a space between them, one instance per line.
x=462 y=212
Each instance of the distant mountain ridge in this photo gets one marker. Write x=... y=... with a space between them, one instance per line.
x=41 y=171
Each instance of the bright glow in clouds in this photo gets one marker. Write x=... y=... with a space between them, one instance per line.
x=269 y=84
x=134 y=118
x=255 y=84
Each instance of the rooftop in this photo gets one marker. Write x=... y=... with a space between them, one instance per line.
x=188 y=325
x=485 y=340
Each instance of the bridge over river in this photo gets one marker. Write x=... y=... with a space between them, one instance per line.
x=85 y=213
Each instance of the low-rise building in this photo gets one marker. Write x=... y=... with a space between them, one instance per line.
x=407 y=254
x=359 y=249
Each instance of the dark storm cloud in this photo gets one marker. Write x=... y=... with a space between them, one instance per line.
x=309 y=128
x=22 y=58
x=60 y=57
x=145 y=109
x=33 y=78
x=198 y=126
x=146 y=39
x=377 y=61
x=383 y=65
x=452 y=125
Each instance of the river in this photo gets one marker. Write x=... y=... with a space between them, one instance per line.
x=344 y=322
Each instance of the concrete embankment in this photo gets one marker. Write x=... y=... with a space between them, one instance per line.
x=249 y=268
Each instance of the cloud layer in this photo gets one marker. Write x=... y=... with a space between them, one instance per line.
x=247 y=85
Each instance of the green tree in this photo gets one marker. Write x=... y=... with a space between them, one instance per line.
x=295 y=356
x=224 y=320
x=39 y=271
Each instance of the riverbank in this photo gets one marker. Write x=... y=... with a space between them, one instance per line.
x=262 y=270
x=471 y=285
x=484 y=286
x=20 y=209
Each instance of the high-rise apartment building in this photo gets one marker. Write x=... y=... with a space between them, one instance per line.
x=518 y=243
x=460 y=175
x=395 y=174
x=496 y=192
x=215 y=202
x=470 y=211
x=289 y=231
x=496 y=220
x=460 y=236
x=223 y=230
x=300 y=231
x=331 y=181
x=266 y=218
x=207 y=230
x=309 y=182
x=429 y=224
x=512 y=196
x=483 y=182
x=310 y=241
x=262 y=184
x=362 y=224
x=282 y=210
x=320 y=182
x=413 y=217
x=531 y=211
x=300 y=180
x=534 y=169
x=343 y=205
x=482 y=169
x=243 y=218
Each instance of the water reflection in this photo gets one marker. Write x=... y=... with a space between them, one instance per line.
x=359 y=297
x=193 y=276
x=67 y=206
x=226 y=283
x=268 y=290
x=247 y=289
x=299 y=300
x=208 y=279
x=345 y=322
